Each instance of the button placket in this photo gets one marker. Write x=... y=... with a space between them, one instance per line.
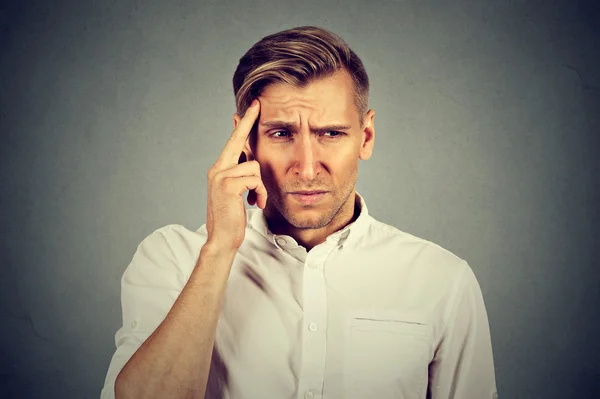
x=314 y=336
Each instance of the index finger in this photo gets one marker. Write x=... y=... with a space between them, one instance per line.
x=231 y=153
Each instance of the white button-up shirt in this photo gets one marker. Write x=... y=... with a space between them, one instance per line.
x=373 y=312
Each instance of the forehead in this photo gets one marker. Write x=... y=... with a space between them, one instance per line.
x=325 y=100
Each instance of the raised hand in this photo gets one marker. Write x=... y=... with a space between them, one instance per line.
x=228 y=180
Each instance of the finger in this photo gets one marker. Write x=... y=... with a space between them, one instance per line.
x=250 y=168
x=235 y=145
x=260 y=195
x=247 y=169
x=239 y=185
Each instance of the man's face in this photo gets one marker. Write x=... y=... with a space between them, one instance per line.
x=310 y=139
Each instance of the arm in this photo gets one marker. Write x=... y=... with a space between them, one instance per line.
x=177 y=325
x=175 y=360
x=171 y=325
x=463 y=366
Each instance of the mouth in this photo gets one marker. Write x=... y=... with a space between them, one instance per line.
x=309 y=192
x=308 y=197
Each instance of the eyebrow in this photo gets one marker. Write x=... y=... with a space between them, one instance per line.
x=291 y=126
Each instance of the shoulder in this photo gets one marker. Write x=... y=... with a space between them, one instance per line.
x=169 y=247
x=179 y=237
x=424 y=255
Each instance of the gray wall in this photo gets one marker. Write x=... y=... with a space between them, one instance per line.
x=487 y=140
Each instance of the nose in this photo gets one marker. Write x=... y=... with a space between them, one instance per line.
x=306 y=159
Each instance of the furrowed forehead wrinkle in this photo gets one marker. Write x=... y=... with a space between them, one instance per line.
x=270 y=124
x=291 y=126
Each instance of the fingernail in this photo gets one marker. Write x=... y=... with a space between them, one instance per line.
x=254 y=102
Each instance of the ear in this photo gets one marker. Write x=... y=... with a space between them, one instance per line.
x=247 y=146
x=368 y=136
x=236 y=120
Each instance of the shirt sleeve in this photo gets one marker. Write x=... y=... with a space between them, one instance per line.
x=463 y=365
x=149 y=287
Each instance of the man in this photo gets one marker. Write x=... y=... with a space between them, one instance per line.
x=307 y=296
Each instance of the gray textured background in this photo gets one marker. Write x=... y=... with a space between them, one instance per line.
x=487 y=122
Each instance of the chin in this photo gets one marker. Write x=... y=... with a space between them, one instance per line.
x=307 y=218
x=308 y=224
x=299 y=216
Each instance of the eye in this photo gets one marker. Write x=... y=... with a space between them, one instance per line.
x=281 y=134
x=276 y=134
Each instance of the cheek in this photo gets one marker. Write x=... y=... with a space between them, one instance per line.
x=345 y=171
x=344 y=159
x=269 y=157
x=270 y=170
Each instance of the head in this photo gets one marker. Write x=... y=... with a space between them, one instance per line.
x=313 y=126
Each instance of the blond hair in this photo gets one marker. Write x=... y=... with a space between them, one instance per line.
x=297 y=57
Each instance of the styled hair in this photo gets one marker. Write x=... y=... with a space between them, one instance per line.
x=298 y=56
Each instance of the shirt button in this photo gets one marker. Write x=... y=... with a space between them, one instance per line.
x=312 y=265
x=309 y=395
x=313 y=327
x=280 y=241
x=134 y=324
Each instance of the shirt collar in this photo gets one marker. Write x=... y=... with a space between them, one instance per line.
x=257 y=221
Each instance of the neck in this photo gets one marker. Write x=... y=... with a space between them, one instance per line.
x=310 y=238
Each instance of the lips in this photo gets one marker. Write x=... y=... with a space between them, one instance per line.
x=308 y=197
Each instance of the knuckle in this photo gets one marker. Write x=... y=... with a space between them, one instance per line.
x=255 y=166
x=212 y=171
x=218 y=178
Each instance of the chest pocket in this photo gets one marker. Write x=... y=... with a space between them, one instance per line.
x=387 y=355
